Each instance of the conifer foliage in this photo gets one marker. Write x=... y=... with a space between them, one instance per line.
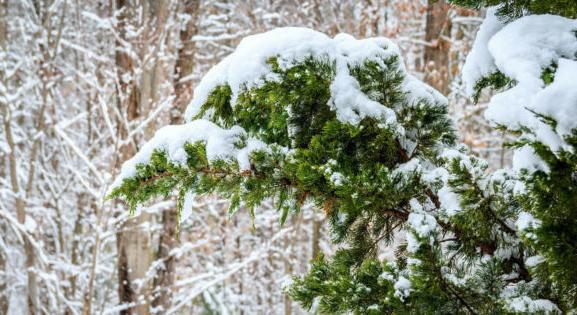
x=513 y=9
x=297 y=117
x=537 y=56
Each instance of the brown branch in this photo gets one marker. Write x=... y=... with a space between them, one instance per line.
x=328 y=205
x=434 y=198
x=449 y=288
x=523 y=272
x=154 y=178
x=205 y=170
x=396 y=213
x=459 y=297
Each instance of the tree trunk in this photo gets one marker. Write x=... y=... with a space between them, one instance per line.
x=164 y=279
x=21 y=212
x=3 y=275
x=3 y=272
x=316 y=235
x=76 y=243
x=132 y=240
x=185 y=62
x=153 y=42
x=3 y=256
x=288 y=271
x=133 y=244
x=436 y=56
x=32 y=290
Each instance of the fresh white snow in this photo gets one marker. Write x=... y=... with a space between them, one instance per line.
x=449 y=201
x=402 y=288
x=480 y=62
x=525 y=304
x=247 y=67
x=221 y=144
x=522 y=50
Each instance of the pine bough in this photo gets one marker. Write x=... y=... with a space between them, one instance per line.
x=295 y=116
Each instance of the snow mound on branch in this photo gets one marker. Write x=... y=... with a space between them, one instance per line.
x=247 y=67
x=221 y=144
x=480 y=62
x=449 y=201
x=422 y=223
x=563 y=93
x=525 y=304
x=526 y=158
x=516 y=301
x=402 y=288
x=522 y=50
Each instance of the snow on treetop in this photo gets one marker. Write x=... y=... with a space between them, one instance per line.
x=527 y=51
x=247 y=67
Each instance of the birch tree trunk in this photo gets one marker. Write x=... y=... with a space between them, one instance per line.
x=437 y=33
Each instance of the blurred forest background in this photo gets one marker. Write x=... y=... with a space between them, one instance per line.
x=83 y=83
